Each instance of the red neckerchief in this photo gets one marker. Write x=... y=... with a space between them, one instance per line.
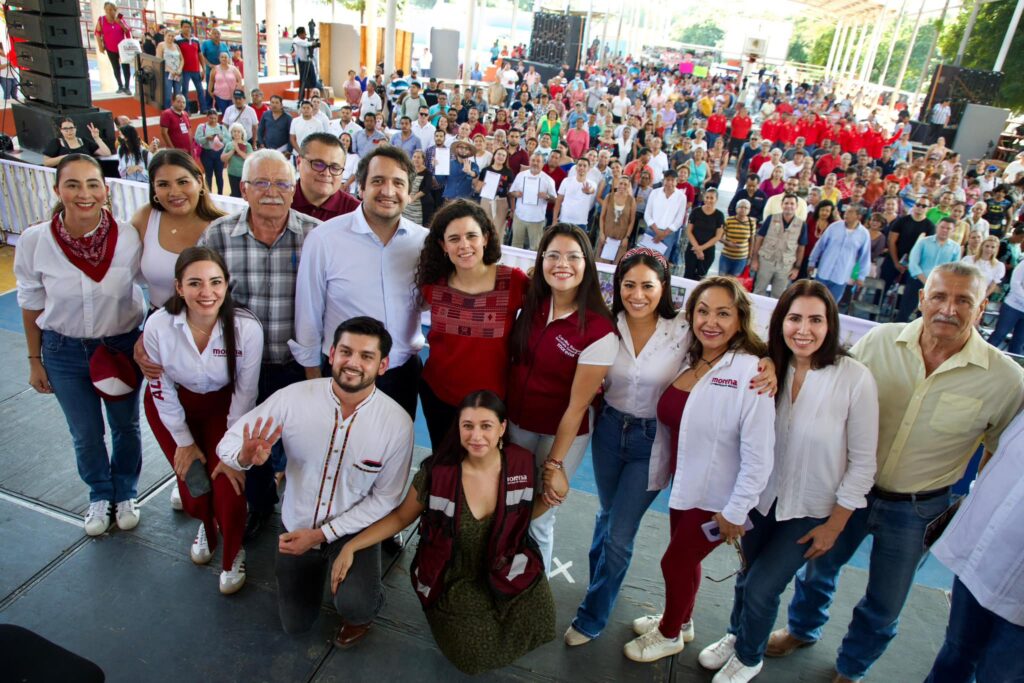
x=92 y=254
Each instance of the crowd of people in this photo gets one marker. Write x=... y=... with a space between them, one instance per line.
x=274 y=332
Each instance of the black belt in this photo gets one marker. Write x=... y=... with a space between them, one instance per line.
x=908 y=497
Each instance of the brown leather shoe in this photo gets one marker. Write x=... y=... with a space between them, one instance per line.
x=782 y=643
x=350 y=634
x=840 y=678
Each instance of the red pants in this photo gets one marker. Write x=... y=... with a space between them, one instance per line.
x=680 y=566
x=206 y=416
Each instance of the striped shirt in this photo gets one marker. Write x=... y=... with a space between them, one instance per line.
x=739 y=232
x=262 y=277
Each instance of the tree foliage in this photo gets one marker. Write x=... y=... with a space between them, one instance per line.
x=705 y=33
x=983 y=47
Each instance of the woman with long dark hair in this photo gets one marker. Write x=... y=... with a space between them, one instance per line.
x=67 y=143
x=482 y=616
x=210 y=353
x=826 y=434
x=717 y=439
x=473 y=303
x=132 y=156
x=562 y=345
x=420 y=209
x=76 y=289
x=497 y=207
x=818 y=220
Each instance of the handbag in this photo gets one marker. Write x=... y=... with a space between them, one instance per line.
x=128 y=49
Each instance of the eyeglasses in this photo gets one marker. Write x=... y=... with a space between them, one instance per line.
x=553 y=258
x=264 y=185
x=68 y=128
x=742 y=567
x=321 y=166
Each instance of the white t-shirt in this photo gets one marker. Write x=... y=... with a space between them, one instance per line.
x=576 y=203
x=301 y=128
x=531 y=213
x=658 y=164
x=620 y=105
x=509 y=78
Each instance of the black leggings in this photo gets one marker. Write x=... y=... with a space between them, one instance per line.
x=126 y=69
x=440 y=416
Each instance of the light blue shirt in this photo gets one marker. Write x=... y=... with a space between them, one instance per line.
x=411 y=145
x=839 y=250
x=928 y=253
x=1016 y=296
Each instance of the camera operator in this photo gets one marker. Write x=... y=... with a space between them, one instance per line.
x=305 y=55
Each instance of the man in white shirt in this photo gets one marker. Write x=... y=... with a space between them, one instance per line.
x=531 y=191
x=792 y=169
x=666 y=209
x=364 y=263
x=346 y=123
x=509 y=78
x=242 y=113
x=576 y=197
x=423 y=129
x=1013 y=168
x=620 y=107
x=305 y=124
x=658 y=162
x=765 y=172
x=349 y=450
x=370 y=102
x=774 y=204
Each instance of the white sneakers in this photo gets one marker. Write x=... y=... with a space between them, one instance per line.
x=574 y=638
x=97 y=518
x=127 y=514
x=642 y=625
x=736 y=671
x=200 y=550
x=652 y=646
x=176 y=498
x=231 y=581
x=715 y=655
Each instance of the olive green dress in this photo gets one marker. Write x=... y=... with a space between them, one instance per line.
x=473 y=630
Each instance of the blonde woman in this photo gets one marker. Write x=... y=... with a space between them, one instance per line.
x=984 y=259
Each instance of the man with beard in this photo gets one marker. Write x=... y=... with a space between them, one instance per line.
x=463 y=171
x=328 y=503
x=364 y=263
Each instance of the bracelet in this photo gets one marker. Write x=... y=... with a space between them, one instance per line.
x=557 y=464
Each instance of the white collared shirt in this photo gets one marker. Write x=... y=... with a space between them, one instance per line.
x=984 y=544
x=72 y=303
x=825 y=443
x=726 y=443
x=425 y=133
x=343 y=474
x=636 y=382
x=666 y=213
x=346 y=271
x=658 y=164
x=532 y=213
x=169 y=343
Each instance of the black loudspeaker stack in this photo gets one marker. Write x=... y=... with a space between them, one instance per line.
x=961 y=87
x=557 y=39
x=54 y=72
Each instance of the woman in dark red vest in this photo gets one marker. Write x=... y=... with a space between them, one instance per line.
x=477 y=571
x=561 y=348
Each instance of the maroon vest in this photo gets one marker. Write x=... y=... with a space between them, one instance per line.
x=513 y=561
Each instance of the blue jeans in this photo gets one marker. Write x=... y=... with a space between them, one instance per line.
x=1010 y=320
x=979 y=644
x=672 y=242
x=196 y=78
x=171 y=88
x=773 y=558
x=622 y=452
x=897 y=549
x=731 y=266
x=836 y=289
x=10 y=87
x=214 y=167
x=66 y=359
x=910 y=298
x=221 y=105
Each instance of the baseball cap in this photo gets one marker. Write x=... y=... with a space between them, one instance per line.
x=239 y=93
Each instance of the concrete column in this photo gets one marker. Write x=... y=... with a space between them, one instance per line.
x=512 y=29
x=588 y=35
x=618 y=31
x=855 y=65
x=892 y=43
x=876 y=37
x=832 y=48
x=906 y=57
x=389 y=38
x=1008 y=38
x=844 y=40
x=467 y=60
x=856 y=33
x=604 y=40
x=273 y=38
x=250 y=45
x=967 y=33
x=370 y=17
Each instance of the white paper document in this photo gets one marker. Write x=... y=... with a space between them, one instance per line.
x=531 y=190
x=442 y=161
x=490 y=188
x=611 y=248
x=648 y=241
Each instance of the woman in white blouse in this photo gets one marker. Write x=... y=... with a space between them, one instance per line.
x=717 y=438
x=654 y=338
x=984 y=259
x=210 y=353
x=76 y=289
x=826 y=435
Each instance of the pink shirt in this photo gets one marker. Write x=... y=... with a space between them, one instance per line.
x=113 y=33
x=224 y=83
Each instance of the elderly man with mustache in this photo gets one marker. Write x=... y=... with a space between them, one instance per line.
x=941 y=390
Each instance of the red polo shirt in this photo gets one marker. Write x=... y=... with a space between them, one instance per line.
x=741 y=127
x=178 y=129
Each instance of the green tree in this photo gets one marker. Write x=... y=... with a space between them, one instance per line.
x=706 y=33
x=821 y=46
x=983 y=47
x=382 y=7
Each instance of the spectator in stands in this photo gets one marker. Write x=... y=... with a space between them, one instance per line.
x=132 y=156
x=319 y=193
x=274 y=130
x=405 y=137
x=903 y=235
x=192 y=64
x=236 y=151
x=80 y=303
x=618 y=219
x=111 y=30
x=844 y=248
x=169 y=51
x=241 y=113
x=984 y=258
x=665 y=216
x=304 y=125
x=211 y=50
x=67 y=142
x=1011 y=315
x=737 y=240
x=463 y=170
x=212 y=136
x=176 y=126
x=305 y=417
x=367 y=139
x=941 y=390
x=224 y=80
x=531 y=191
x=927 y=253
x=753 y=194
x=210 y=353
x=704 y=229
x=778 y=250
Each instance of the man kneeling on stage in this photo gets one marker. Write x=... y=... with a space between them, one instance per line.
x=340 y=479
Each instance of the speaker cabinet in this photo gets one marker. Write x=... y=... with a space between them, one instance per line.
x=67 y=8
x=45 y=30
x=69 y=62
x=55 y=90
x=36 y=124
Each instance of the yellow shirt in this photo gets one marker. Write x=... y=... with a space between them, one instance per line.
x=706 y=106
x=929 y=427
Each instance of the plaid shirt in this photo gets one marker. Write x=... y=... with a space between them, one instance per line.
x=262 y=277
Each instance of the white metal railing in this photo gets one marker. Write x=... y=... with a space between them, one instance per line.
x=26 y=197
